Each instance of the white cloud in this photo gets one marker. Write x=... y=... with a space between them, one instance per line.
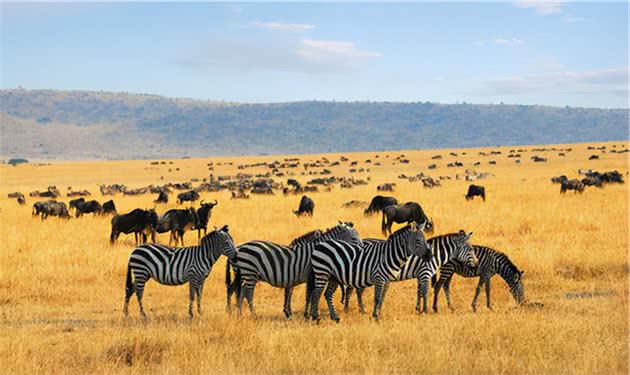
x=614 y=81
x=320 y=50
x=278 y=26
x=543 y=8
x=508 y=41
x=571 y=19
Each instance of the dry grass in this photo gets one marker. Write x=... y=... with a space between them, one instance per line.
x=61 y=284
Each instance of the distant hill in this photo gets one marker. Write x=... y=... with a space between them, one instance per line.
x=54 y=124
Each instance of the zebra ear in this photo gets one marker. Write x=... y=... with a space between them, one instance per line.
x=225 y=228
x=421 y=227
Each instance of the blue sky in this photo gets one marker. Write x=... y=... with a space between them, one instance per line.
x=551 y=53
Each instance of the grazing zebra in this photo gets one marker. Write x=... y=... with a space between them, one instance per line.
x=491 y=262
x=336 y=262
x=282 y=266
x=177 y=266
x=444 y=248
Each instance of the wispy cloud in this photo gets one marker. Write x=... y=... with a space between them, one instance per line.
x=543 y=8
x=571 y=19
x=304 y=55
x=279 y=26
x=612 y=81
x=508 y=41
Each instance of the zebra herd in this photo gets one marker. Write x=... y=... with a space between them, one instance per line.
x=324 y=260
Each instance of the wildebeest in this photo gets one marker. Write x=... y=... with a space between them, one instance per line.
x=538 y=159
x=19 y=196
x=109 y=207
x=51 y=208
x=188 y=196
x=240 y=194
x=139 y=222
x=306 y=207
x=592 y=181
x=354 y=203
x=476 y=191
x=386 y=187
x=410 y=212
x=81 y=193
x=162 y=197
x=378 y=203
x=203 y=213
x=75 y=202
x=177 y=221
x=575 y=185
x=559 y=179
x=88 y=207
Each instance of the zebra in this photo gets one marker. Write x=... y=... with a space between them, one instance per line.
x=337 y=262
x=177 y=266
x=491 y=262
x=444 y=248
x=282 y=266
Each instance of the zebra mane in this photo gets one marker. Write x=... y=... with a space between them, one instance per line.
x=441 y=236
x=308 y=237
x=502 y=257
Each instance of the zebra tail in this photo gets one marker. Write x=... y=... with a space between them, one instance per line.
x=129 y=284
x=237 y=281
x=433 y=280
x=228 y=275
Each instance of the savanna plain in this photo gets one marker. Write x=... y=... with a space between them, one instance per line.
x=62 y=283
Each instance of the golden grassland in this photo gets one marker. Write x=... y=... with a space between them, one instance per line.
x=62 y=284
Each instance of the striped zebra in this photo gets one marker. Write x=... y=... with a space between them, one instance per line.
x=177 y=266
x=283 y=266
x=337 y=262
x=491 y=262
x=444 y=248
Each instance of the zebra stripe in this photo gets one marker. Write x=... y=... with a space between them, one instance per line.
x=491 y=262
x=337 y=262
x=282 y=266
x=176 y=266
x=443 y=248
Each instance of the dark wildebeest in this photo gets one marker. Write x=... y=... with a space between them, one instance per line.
x=109 y=207
x=177 y=221
x=386 y=187
x=379 y=203
x=19 y=196
x=240 y=194
x=306 y=207
x=592 y=181
x=162 y=197
x=88 y=207
x=203 y=213
x=410 y=212
x=476 y=191
x=188 y=196
x=139 y=222
x=54 y=208
x=74 y=203
x=52 y=192
x=559 y=179
x=575 y=185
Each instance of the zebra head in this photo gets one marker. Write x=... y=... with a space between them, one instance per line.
x=516 y=287
x=464 y=252
x=418 y=243
x=344 y=231
x=220 y=242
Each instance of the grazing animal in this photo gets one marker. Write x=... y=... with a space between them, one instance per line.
x=490 y=263
x=139 y=222
x=443 y=249
x=188 y=196
x=257 y=260
x=88 y=207
x=109 y=207
x=476 y=191
x=592 y=181
x=53 y=208
x=559 y=179
x=306 y=207
x=354 y=203
x=240 y=194
x=75 y=202
x=177 y=266
x=162 y=197
x=177 y=221
x=379 y=203
x=404 y=213
x=203 y=214
x=338 y=262
x=575 y=185
x=386 y=187
x=19 y=196
x=21 y=200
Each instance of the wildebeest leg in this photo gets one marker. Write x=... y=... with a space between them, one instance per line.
x=181 y=238
x=170 y=239
x=477 y=290
x=287 y=302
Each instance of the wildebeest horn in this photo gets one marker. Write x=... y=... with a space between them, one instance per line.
x=201 y=203
x=215 y=203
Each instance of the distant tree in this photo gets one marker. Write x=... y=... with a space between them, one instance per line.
x=16 y=161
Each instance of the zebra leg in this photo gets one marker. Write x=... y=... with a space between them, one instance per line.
x=249 y=294
x=192 y=290
x=474 y=302
x=139 y=287
x=199 y=293
x=418 y=297
x=320 y=283
x=346 y=298
x=360 y=300
x=488 y=295
x=330 y=294
x=287 y=302
x=128 y=293
x=447 y=293
x=378 y=292
x=310 y=286
x=436 y=295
